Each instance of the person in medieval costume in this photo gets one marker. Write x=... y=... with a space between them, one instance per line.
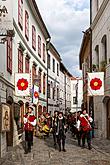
x=29 y=124
x=61 y=130
x=85 y=127
x=54 y=127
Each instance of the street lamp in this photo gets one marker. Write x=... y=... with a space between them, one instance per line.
x=47 y=49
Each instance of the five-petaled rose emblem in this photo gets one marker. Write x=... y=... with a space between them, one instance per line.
x=36 y=95
x=22 y=84
x=95 y=84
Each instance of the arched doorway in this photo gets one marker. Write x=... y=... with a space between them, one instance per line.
x=9 y=135
x=39 y=110
x=108 y=119
x=21 y=116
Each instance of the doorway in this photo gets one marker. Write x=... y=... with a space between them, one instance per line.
x=108 y=120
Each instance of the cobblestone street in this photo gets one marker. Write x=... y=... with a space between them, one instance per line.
x=43 y=153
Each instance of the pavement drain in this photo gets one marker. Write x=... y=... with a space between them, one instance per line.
x=99 y=162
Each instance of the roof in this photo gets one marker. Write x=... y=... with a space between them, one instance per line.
x=76 y=78
x=53 y=49
x=38 y=17
x=62 y=67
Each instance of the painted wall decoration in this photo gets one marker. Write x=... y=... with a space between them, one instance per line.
x=6 y=18
x=96 y=84
x=5 y=117
x=22 y=81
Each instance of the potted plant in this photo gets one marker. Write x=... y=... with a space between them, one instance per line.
x=103 y=66
x=95 y=67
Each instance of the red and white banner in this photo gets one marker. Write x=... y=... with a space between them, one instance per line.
x=96 y=84
x=35 y=94
x=22 y=87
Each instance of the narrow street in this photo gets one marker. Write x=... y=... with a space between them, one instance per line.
x=43 y=153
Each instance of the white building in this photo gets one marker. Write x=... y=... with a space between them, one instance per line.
x=25 y=52
x=65 y=89
x=68 y=91
x=53 y=79
x=101 y=58
x=76 y=94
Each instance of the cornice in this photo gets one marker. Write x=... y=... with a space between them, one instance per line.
x=53 y=50
x=7 y=82
x=24 y=41
x=53 y=79
x=38 y=17
x=42 y=99
x=99 y=13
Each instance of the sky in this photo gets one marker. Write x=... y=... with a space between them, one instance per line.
x=65 y=21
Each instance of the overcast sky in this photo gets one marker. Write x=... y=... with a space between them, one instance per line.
x=65 y=20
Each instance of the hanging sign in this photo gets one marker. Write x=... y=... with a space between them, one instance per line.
x=96 y=84
x=35 y=94
x=22 y=84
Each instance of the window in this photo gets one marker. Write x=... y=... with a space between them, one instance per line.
x=20 y=61
x=39 y=45
x=26 y=25
x=20 y=13
x=33 y=73
x=53 y=93
x=33 y=37
x=104 y=48
x=53 y=65
x=48 y=61
x=57 y=70
x=97 y=55
x=48 y=90
x=9 y=55
x=44 y=52
x=27 y=64
x=40 y=80
x=44 y=83
x=74 y=100
x=57 y=93
x=97 y=5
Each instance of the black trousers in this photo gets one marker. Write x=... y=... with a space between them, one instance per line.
x=28 y=140
x=54 y=135
x=61 y=137
x=79 y=133
x=86 y=134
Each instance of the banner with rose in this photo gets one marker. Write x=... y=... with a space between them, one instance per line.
x=35 y=94
x=22 y=84
x=96 y=84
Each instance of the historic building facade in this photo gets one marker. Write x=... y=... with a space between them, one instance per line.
x=76 y=94
x=24 y=52
x=100 y=26
x=65 y=89
x=84 y=58
x=53 y=79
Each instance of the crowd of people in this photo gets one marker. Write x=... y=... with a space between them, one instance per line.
x=80 y=124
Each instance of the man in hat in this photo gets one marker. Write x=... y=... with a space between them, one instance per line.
x=61 y=130
x=29 y=123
